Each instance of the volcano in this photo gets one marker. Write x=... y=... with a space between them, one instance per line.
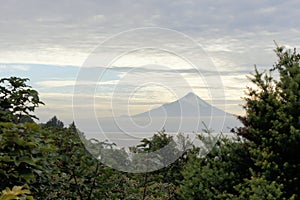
x=190 y=105
x=187 y=114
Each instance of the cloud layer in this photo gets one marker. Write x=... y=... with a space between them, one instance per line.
x=48 y=41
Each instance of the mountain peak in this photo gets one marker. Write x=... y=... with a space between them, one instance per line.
x=194 y=99
x=191 y=95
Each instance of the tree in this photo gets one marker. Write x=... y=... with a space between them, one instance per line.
x=265 y=164
x=54 y=122
x=17 y=100
x=272 y=122
x=25 y=154
x=161 y=184
x=215 y=175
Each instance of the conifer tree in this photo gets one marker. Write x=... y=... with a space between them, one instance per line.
x=272 y=122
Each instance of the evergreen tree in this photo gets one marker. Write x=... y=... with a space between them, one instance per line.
x=272 y=122
x=265 y=164
x=54 y=122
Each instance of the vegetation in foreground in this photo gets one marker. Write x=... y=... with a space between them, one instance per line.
x=49 y=161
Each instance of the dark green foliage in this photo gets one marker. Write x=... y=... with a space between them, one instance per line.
x=74 y=171
x=17 y=100
x=24 y=150
x=265 y=164
x=272 y=122
x=257 y=188
x=56 y=123
x=161 y=184
x=217 y=173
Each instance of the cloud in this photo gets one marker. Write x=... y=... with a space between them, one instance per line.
x=58 y=32
x=234 y=35
x=13 y=68
x=56 y=83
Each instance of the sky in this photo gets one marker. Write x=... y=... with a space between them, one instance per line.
x=126 y=57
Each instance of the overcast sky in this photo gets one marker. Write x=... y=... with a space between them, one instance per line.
x=48 y=41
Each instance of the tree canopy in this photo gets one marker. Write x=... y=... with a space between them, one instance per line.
x=17 y=100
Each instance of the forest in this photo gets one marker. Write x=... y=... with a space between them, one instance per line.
x=50 y=161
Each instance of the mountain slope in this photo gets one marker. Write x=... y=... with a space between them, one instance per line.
x=187 y=114
x=188 y=106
